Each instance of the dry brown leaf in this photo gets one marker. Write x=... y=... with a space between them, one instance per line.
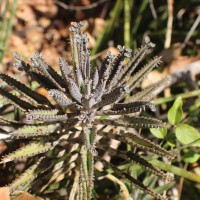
x=25 y=12
x=170 y=54
x=42 y=91
x=3 y=147
x=4 y=193
x=98 y=24
x=44 y=22
x=45 y=7
x=51 y=56
x=27 y=196
x=113 y=51
x=182 y=62
x=153 y=77
x=35 y=38
x=85 y=2
x=92 y=41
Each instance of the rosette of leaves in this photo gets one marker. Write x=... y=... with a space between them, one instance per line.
x=69 y=130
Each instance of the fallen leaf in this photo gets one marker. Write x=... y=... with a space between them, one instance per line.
x=4 y=193
x=24 y=12
x=181 y=62
x=27 y=196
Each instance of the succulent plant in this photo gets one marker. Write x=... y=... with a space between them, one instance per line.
x=86 y=108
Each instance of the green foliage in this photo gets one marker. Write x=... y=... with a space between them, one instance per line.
x=176 y=170
x=175 y=113
x=159 y=132
x=31 y=149
x=171 y=139
x=87 y=108
x=191 y=157
x=188 y=135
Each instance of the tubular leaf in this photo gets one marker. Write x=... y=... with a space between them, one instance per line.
x=132 y=180
x=128 y=108
x=74 y=90
x=23 y=105
x=133 y=63
x=34 y=130
x=147 y=145
x=112 y=97
x=47 y=116
x=135 y=122
x=25 y=179
x=24 y=89
x=139 y=76
x=148 y=93
x=129 y=156
x=29 y=150
x=37 y=61
x=60 y=97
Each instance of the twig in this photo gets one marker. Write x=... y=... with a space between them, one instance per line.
x=153 y=10
x=169 y=24
x=91 y=6
x=184 y=95
x=194 y=26
x=186 y=74
x=75 y=186
x=98 y=54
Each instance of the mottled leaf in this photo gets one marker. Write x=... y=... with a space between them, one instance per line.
x=29 y=150
x=24 y=89
x=139 y=76
x=21 y=104
x=60 y=97
x=25 y=179
x=135 y=122
x=34 y=130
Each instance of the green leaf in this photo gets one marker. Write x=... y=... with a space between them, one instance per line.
x=23 y=89
x=159 y=132
x=175 y=113
x=171 y=138
x=29 y=150
x=135 y=122
x=191 y=157
x=161 y=189
x=146 y=145
x=36 y=130
x=23 y=182
x=21 y=104
x=187 y=134
x=130 y=179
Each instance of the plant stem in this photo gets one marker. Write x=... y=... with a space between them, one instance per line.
x=172 y=98
x=87 y=155
x=175 y=170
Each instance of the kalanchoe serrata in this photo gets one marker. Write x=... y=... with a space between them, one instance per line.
x=86 y=107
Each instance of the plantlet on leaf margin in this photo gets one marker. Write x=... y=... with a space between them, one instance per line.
x=70 y=122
